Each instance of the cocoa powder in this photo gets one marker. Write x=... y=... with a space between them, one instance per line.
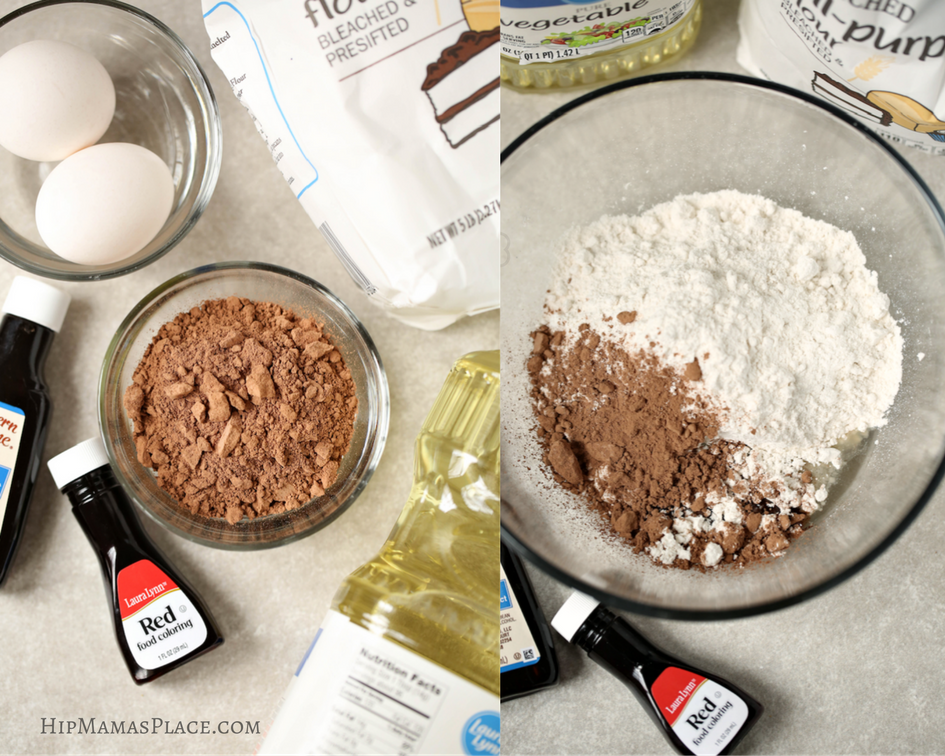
x=633 y=439
x=242 y=408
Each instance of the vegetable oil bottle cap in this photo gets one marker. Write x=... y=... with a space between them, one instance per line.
x=38 y=302
x=572 y=614
x=77 y=461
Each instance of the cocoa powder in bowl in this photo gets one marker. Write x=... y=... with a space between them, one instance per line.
x=242 y=408
x=632 y=439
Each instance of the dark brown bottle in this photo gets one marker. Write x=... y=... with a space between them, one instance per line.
x=527 y=659
x=698 y=712
x=33 y=313
x=160 y=620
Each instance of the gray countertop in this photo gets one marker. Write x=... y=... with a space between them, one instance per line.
x=859 y=669
x=58 y=652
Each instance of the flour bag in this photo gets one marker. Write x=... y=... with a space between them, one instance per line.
x=383 y=117
x=882 y=61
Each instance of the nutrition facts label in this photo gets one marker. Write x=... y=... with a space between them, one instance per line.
x=359 y=693
x=366 y=719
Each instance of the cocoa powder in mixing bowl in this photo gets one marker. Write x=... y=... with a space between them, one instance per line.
x=631 y=437
x=242 y=408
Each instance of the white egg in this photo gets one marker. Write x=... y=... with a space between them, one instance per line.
x=56 y=99
x=104 y=203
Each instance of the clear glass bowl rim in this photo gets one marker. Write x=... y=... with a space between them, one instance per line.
x=382 y=419
x=637 y=607
x=211 y=167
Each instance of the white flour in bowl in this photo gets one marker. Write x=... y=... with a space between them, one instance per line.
x=779 y=313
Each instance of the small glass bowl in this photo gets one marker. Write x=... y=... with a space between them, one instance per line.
x=261 y=283
x=163 y=102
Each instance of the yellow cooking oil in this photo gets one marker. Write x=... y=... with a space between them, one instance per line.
x=433 y=586
x=574 y=43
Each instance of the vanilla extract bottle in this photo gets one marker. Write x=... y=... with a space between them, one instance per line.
x=160 y=620
x=527 y=659
x=32 y=314
x=698 y=712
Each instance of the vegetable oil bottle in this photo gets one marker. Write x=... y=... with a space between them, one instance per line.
x=407 y=659
x=547 y=44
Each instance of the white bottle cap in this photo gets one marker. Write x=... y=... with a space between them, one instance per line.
x=38 y=302
x=77 y=461
x=572 y=614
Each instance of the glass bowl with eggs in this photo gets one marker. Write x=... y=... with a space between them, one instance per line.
x=110 y=144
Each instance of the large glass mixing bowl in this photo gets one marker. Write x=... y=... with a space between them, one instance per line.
x=627 y=147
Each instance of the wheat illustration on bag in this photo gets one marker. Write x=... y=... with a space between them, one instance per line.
x=871 y=67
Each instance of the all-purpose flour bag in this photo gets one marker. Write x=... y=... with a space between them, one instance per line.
x=882 y=61
x=383 y=117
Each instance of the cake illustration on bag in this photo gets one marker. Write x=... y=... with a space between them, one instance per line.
x=883 y=108
x=463 y=83
x=848 y=99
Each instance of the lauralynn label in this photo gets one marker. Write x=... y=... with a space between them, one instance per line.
x=703 y=714
x=160 y=621
x=548 y=31
x=516 y=643
x=359 y=693
x=11 y=430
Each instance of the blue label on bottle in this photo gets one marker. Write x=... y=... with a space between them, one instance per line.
x=505 y=596
x=12 y=420
x=481 y=734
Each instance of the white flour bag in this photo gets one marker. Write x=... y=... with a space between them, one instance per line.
x=383 y=117
x=882 y=61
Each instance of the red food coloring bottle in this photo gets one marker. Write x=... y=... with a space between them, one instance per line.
x=698 y=712
x=160 y=620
